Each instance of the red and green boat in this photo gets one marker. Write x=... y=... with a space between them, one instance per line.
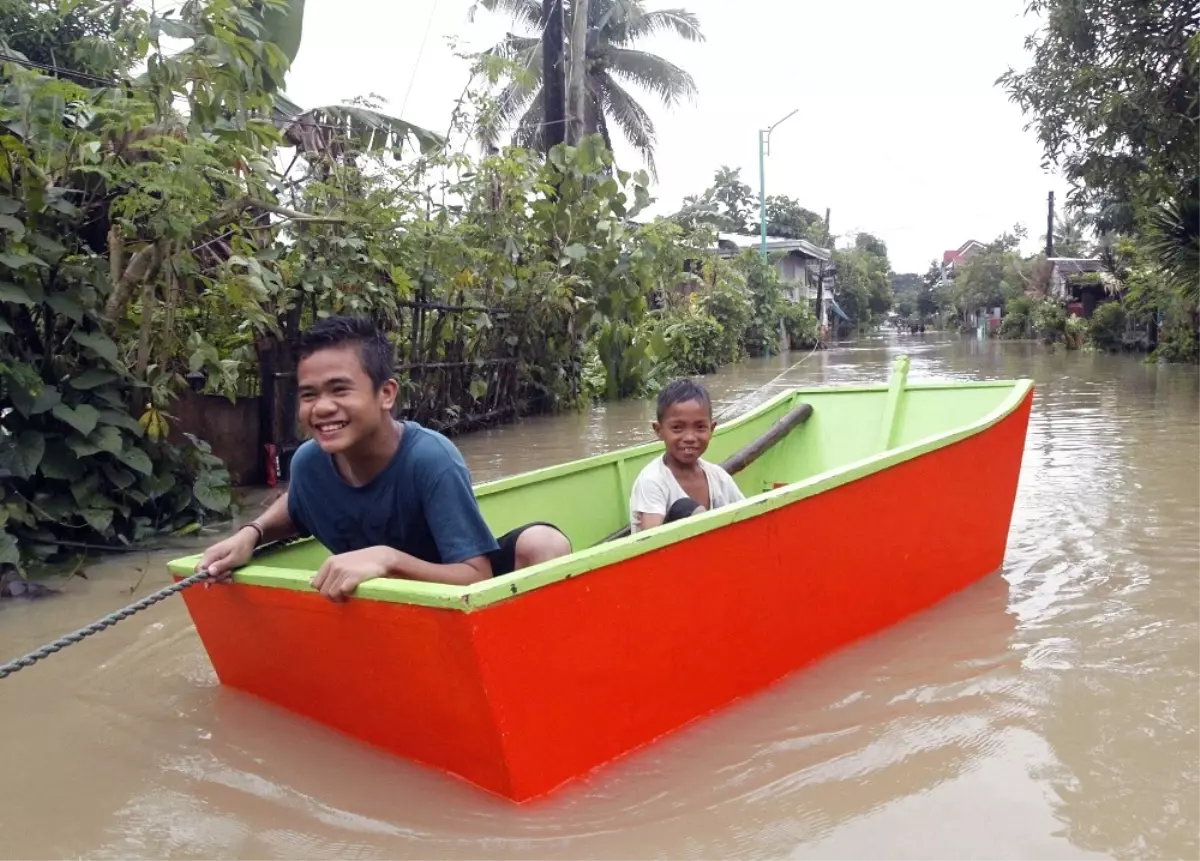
x=885 y=501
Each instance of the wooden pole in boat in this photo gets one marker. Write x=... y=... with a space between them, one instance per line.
x=795 y=417
x=891 y=407
x=741 y=459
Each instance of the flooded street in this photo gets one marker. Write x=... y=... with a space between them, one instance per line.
x=1049 y=711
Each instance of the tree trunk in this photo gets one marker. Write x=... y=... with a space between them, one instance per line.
x=143 y=265
x=576 y=79
x=140 y=399
x=147 y=329
x=553 y=74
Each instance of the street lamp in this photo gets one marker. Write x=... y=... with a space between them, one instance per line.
x=764 y=143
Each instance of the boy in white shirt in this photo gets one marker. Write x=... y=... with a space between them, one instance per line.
x=681 y=482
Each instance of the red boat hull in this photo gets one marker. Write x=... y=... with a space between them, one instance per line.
x=522 y=696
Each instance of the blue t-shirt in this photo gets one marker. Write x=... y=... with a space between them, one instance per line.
x=421 y=503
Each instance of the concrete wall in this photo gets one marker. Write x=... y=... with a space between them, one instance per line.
x=799 y=275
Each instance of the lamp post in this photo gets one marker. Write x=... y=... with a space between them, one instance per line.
x=764 y=143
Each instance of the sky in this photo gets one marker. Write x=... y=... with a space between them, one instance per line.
x=901 y=131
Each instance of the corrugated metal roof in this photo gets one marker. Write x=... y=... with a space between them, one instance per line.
x=742 y=241
x=1071 y=265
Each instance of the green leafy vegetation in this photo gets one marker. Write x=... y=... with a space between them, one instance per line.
x=864 y=280
x=1113 y=92
x=1017 y=322
x=170 y=229
x=1107 y=329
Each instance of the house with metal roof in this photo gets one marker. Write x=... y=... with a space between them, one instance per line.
x=1081 y=282
x=801 y=266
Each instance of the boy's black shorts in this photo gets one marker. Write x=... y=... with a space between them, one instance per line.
x=504 y=560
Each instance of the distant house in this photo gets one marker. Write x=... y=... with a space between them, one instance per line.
x=1081 y=283
x=952 y=259
x=963 y=253
x=956 y=257
x=801 y=267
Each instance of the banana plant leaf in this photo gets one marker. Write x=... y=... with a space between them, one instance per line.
x=284 y=25
x=334 y=129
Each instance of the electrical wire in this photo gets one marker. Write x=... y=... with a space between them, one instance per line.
x=420 y=51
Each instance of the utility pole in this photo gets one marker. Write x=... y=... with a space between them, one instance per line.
x=576 y=83
x=762 y=196
x=553 y=74
x=1050 y=226
x=764 y=143
x=821 y=321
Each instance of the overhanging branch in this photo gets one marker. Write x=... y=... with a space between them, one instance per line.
x=143 y=264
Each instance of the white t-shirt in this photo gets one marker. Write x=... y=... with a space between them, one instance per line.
x=656 y=490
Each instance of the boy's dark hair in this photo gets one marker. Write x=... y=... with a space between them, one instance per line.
x=680 y=392
x=374 y=349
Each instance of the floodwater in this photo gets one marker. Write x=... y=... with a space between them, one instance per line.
x=1049 y=711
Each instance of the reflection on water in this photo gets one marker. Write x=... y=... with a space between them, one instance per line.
x=1048 y=711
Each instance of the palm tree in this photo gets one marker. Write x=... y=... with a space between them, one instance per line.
x=613 y=28
x=1070 y=234
x=1173 y=240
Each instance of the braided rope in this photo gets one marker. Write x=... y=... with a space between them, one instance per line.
x=125 y=612
x=99 y=625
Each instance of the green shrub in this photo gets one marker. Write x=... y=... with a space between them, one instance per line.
x=1177 y=342
x=1017 y=322
x=1049 y=321
x=694 y=344
x=800 y=324
x=761 y=336
x=728 y=302
x=1107 y=330
x=1075 y=332
x=621 y=360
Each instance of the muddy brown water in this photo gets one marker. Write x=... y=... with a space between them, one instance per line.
x=1049 y=711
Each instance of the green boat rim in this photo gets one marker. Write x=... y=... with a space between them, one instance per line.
x=497 y=589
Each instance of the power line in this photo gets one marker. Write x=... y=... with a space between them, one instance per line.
x=57 y=70
x=420 y=52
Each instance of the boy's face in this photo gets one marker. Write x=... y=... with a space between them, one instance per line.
x=339 y=405
x=686 y=428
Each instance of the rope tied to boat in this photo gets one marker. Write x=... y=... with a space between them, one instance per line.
x=201 y=576
x=100 y=625
x=729 y=409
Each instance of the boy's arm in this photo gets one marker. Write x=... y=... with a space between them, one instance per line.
x=341 y=575
x=276 y=522
x=647 y=504
x=234 y=552
x=458 y=528
x=462 y=536
x=642 y=521
x=463 y=540
x=473 y=570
